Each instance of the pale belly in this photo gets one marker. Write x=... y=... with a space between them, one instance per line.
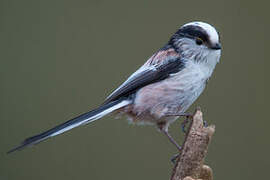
x=153 y=103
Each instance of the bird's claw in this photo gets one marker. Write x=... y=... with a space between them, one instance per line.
x=205 y=124
x=174 y=158
x=184 y=123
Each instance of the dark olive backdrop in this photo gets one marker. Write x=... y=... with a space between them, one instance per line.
x=62 y=58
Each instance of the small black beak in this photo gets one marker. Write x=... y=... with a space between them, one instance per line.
x=216 y=46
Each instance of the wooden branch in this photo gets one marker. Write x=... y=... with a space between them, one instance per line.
x=190 y=163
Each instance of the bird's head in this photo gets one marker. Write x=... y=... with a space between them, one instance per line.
x=198 y=41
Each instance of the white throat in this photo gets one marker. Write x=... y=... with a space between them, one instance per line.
x=208 y=66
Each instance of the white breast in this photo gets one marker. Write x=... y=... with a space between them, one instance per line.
x=172 y=95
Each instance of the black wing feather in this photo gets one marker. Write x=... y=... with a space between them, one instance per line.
x=148 y=76
x=45 y=135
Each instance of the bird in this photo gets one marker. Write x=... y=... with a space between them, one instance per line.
x=162 y=89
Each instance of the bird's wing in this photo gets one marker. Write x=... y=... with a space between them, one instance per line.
x=157 y=68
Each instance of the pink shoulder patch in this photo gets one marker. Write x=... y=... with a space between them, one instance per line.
x=161 y=56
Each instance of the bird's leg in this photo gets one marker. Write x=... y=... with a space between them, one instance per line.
x=180 y=114
x=173 y=159
x=184 y=123
x=171 y=139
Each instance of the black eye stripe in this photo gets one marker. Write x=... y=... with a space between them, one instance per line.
x=193 y=32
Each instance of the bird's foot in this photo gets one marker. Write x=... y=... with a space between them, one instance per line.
x=174 y=158
x=205 y=124
x=184 y=123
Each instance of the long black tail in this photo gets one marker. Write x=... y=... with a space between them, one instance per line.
x=75 y=122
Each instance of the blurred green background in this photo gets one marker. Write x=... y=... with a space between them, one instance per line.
x=62 y=58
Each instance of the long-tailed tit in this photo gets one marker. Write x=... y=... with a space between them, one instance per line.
x=163 y=88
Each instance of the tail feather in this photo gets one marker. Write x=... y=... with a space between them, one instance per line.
x=75 y=122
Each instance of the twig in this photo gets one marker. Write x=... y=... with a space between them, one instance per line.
x=190 y=163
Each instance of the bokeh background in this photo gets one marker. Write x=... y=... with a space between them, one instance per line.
x=62 y=58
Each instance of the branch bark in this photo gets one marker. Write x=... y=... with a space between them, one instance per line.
x=190 y=163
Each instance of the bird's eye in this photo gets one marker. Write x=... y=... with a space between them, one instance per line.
x=199 y=41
